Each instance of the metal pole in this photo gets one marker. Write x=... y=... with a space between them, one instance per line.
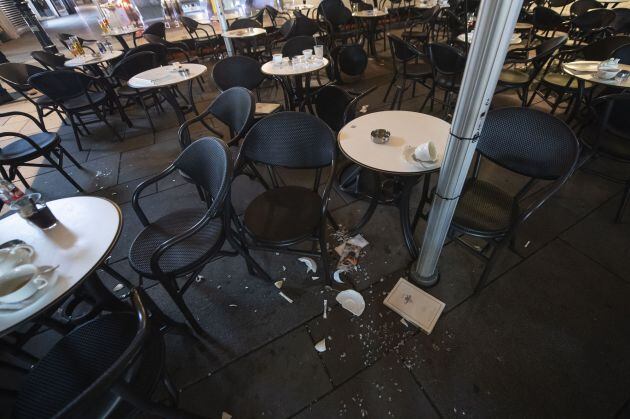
x=35 y=26
x=224 y=27
x=495 y=25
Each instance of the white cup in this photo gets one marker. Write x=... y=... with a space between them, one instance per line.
x=277 y=59
x=22 y=285
x=319 y=51
x=426 y=152
x=308 y=53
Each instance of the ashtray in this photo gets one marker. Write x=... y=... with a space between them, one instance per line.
x=380 y=136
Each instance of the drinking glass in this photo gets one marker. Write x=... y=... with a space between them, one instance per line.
x=319 y=51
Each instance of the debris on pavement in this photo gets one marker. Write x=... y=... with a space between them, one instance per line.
x=325 y=309
x=352 y=301
x=118 y=287
x=311 y=266
x=283 y=295
x=321 y=346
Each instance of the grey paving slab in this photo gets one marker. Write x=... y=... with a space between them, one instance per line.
x=147 y=161
x=274 y=382
x=546 y=340
x=384 y=390
x=603 y=240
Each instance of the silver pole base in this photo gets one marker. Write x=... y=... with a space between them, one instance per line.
x=425 y=281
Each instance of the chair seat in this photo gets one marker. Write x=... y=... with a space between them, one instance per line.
x=512 y=76
x=127 y=91
x=483 y=208
x=20 y=149
x=81 y=357
x=82 y=102
x=179 y=258
x=283 y=215
x=419 y=70
x=44 y=100
x=266 y=108
x=562 y=81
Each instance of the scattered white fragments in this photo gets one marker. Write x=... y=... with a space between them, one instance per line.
x=337 y=278
x=283 y=295
x=321 y=346
x=279 y=284
x=118 y=287
x=325 y=309
x=311 y=266
x=226 y=415
x=351 y=301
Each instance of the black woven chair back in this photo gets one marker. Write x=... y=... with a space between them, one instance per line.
x=579 y=7
x=48 y=60
x=134 y=64
x=612 y=112
x=545 y=19
x=454 y=23
x=402 y=51
x=160 y=51
x=304 y=26
x=16 y=75
x=350 y=59
x=157 y=28
x=237 y=71
x=362 y=6
x=336 y=13
x=61 y=85
x=244 y=24
x=117 y=338
x=287 y=28
x=621 y=24
x=559 y=3
x=290 y=139
x=546 y=50
x=235 y=107
x=623 y=53
x=529 y=142
x=594 y=19
x=190 y=24
x=330 y=104
x=154 y=39
x=208 y=163
x=446 y=60
x=296 y=45
x=603 y=49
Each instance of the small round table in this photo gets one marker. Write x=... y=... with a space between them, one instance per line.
x=243 y=33
x=119 y=34
x=462 y=38
x=92 y=60
x=300 y=96
x=370 y=19
x=408 y=129
x=86 y=233
x=167 y=77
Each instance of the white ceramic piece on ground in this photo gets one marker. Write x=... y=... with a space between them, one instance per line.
x=351 y=301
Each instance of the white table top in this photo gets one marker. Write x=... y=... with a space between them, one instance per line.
x=523 y=26
x=87 y=230
x=244 y=33
x=299 y=6
x=462 y=38
x=122 y=31
x=165 y=76
x=89 y=59
x=289 y=70
x=590 y=73
x=406 y=128
x=370 y=13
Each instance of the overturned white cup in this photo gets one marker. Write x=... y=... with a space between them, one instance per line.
x=426 y=152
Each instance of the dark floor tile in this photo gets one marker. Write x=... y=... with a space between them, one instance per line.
x=600 y=238
x=354 y=343
x=552 y=326
x=384 y=390
x=122 y=193
x=273 y=382
x=147 y=161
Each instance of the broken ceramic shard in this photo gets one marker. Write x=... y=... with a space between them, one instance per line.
x=325 y=309
x=118 y=287
x=337 y=278
x=283 y=295
x=321 y=346
x=311 y=266
x=351 y=301
x=279 y=284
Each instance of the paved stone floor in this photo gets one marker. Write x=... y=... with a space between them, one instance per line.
x=547 y=337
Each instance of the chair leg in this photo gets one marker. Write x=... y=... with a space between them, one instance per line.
x=525 y=96
x=429 y=96
x=491 y=263
x=624 y=203
x=75 y=129
x=323 y=247
x=183 y=308
x=389 y=88
x=146 y=112
x=21 y=177
x=72 y=159
x=104 y=119
x=63 y=172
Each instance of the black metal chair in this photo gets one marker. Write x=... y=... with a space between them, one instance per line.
x=77 y=95
x=547 y=23
x=107 y=367
x=201 y=37
x=244 y=72
x=27 y=148
x=419 y=26
x=234 y=107
x=448 y=65
x=176 y=51
x=525 y=141
x=128 y=67
x=410 y=65
x=65 y=37
x=49 y=60
x=522 y=78
x=181 y=243
x=579 y=7
x=349 y=63
x=16 y=75
x=295 y=45
x=285 y=215
x=156 y=28
x=160 y=51
x=610 y=138
x=590 y=26
x=336 y=106
x=245 y=23
x=621 y=24
x=623 y=53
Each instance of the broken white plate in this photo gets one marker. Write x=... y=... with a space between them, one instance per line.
x=321 y=346
x=351 y=301
x=279 y=284
x=337 y=278
x=311 y=266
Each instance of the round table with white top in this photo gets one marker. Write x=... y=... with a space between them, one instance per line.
x=164 y=79
x=298 y=93
x=390 y=163
x=120 y=33
x=85 y=234
x=369 y=20
x=92 y=59
x=243 y=33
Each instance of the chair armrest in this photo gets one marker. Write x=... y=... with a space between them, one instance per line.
x=136 y=194
x=23 y=137
x=31 y=117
